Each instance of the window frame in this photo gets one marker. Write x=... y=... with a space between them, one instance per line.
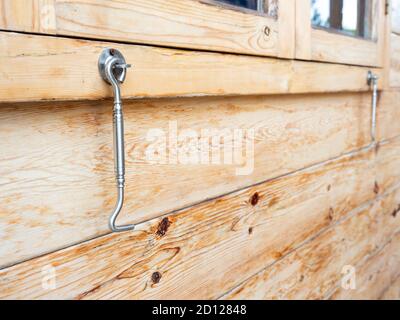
x=187 y=24
x=318 y=44
x=198 y=25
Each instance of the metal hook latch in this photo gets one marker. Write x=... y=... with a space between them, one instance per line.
x=112 y=68
x=372 y=80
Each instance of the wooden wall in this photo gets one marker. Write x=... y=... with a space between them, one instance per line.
x=320 y=197
x=395 y=46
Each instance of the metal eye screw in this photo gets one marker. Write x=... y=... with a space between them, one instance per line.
x=113 y=68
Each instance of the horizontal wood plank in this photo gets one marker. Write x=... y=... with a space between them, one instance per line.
x=387 y=164
x=395 y=61
x=393 y=292
x=327 y=46
x=43 y=68
x=56 y=167
x=179 y=23
x=319 y=44
x=180 y=256
x=387 y=112
x=173 y=23
x=36 y=16
x=375 y=275
x=316 y=268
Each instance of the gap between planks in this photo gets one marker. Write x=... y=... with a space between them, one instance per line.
x=200 y=50
x=352 y=213
x=173 y=212
x=143 y=44
x=364 y=261
x=386 y=290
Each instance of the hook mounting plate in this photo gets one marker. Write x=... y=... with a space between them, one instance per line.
x=371 y=77
x=115 y=57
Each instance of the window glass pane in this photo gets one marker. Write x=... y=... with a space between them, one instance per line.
x=249 y=4
x=351 y=17
x=269 y=7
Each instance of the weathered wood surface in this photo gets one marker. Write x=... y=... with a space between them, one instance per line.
x=43 y=68
x=56 y=166
x=393 y=292
x=28 y=16
x=376 y=275
x=315 y=269
x=56 y=175
x=395 y=61
x=326 y=46
x=205 y=250
x=387 y=164
x=388 y=112
x=172 y=23
x=303 y=30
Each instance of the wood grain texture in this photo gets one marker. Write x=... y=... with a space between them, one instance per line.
x=28 y=15
x=387 y=52
x=286 y=27
x=42 y=68
x=173 y=23
x=393 y=292
x=387 y=112
x=303 y=30
x=387 y=168
x=375 y=275
x=59 y=188
x=315 y=269
x=395 y=61
x=206 y=250
x=197 y=25
x=326 y=46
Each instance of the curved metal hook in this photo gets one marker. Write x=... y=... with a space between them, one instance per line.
x=112 y=67
x=372 y=80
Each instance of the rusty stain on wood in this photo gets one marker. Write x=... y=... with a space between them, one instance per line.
x=331 y=214
x=376 y=188
x=317 y=199
x=81 y=135
x=163 y=227
x=254 y=199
